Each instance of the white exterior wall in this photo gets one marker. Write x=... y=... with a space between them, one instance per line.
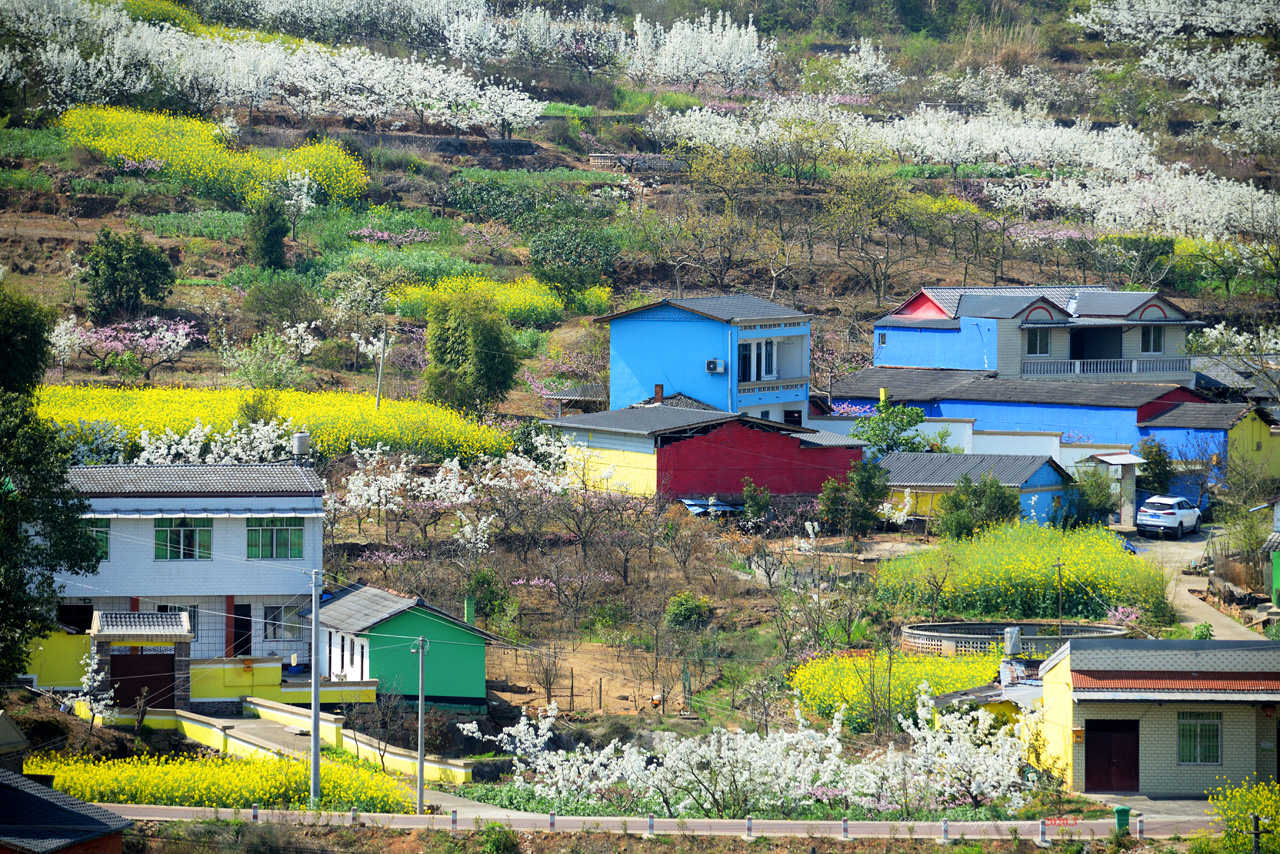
x=337 y=660
x=1014 y=442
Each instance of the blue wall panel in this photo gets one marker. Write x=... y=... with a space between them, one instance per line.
x=971 y=347
x=668 y=346
x=1039 y=505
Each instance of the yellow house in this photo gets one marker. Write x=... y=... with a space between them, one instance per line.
x=1195 y=433
x=1162 y=717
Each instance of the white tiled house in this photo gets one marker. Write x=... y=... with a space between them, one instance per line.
x=232 y=545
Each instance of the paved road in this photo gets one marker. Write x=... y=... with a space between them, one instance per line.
x=1176 y=555
x=1153 y=827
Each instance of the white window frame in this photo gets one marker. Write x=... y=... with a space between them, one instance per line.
x=1040 y=336
x=1148 y=342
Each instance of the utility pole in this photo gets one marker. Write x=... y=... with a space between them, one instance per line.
x=382 y=360
x=1257 y=833
x=420 y=649
x=1059 y=565
x=317 y=582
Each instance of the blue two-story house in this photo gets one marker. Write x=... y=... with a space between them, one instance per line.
x=1060 y=333
x=742 y=354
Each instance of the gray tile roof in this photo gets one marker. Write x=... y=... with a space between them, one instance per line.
x=994 y=305
x=1272 y=544
x=589 y=391
x=359 y=607
x=641 y=420
x=1062 y=393
x=947 y=469
x=680 y=400
x=905 y=384
x=137 y=624
x=909 y=323
x=39 y=820
x=1107 y=321
x=1110 y=303
x=275 y=479
x=1200 y=416
x=949 y=298
x=731 y=308
x=1260 y=656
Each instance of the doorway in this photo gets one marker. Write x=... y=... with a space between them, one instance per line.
x=242 y=630
x=1111 y=756
x=131 y=675
x=1097 y=343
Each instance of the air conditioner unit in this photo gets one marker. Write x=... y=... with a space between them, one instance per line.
x=715 y=366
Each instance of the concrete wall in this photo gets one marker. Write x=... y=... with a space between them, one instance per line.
x=55 y=661
x=632 y=471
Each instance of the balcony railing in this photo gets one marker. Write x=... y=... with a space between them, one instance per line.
x=785 y=384
x=1070 y=367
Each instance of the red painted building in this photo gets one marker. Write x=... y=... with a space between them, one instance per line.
x=788 y=463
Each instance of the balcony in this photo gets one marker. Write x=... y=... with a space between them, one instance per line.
x=768 y=386
x=1072 y=368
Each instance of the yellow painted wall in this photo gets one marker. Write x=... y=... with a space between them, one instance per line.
x=55 y=660
x=228 y=679
x=633 y=472
x=1251 y=434
x=1059 y=718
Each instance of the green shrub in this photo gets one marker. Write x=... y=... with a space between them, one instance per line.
x=678 y=101
x=126 y=187
x=419 y=264
x=121 y=272
x=22 y=179
x=265 y=235
x=32 y=144
x=555 y=108
x=573 y=257
x=163 y=12
x=686 y=611
x=593 y=301
x=282 y=299
x=213 y=224
x=498 y=838
x=631 y=100
x=334 y=354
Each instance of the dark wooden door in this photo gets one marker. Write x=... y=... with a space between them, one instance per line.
x=1111 y=756
x=130 y=673
x=242 y=630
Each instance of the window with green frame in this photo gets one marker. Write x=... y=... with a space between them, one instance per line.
x=274 y=538
x=101 y=531
x=184 y=539
x=1199 y=738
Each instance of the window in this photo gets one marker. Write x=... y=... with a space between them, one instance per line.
x=1199 y=738
x=792 y=417
x=275 y=538
x=193 y=616
x=768 y=359
x=184 y=539
x=1037 y=342
x=883 y=339
x=281 y=622
x=744 y=363
x=1153 y=339
x=101 y=530
x=764 y=414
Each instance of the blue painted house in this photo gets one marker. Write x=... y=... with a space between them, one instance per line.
x=742 y=354
x=1063 y=333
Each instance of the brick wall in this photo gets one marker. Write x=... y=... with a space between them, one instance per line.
x=1158 y=770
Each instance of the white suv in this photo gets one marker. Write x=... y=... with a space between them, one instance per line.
x=1168 y=514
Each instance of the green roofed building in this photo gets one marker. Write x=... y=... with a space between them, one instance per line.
x=366 y=633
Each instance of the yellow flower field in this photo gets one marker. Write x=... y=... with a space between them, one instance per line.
x=861 y=683
x=335 y=419
x=195 y=153
x=1011 y=572
x=222 y=781
x=526 y=303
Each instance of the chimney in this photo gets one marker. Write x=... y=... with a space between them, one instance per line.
x=469 y=610
x=657 y=393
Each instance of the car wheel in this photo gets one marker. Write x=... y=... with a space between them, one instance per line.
x=1177 y=534
x=1195 y=529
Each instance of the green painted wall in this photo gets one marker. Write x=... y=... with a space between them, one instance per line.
x=455 y=658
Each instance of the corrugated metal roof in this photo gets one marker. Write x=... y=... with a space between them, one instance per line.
x=641 y=420
x=1272 y=544
x=947 y=469
x=922 y=385
x=827 y=439
x=40 y=820
x=590 y=391
x=359 y=607
x=279 y=479
x=1200 y=416
x=911 y=323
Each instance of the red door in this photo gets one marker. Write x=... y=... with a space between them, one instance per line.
x=129 y=673
x=1111 y=756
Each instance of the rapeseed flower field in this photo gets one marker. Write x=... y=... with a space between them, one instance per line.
x=863 y=683
x=219 y=781
x=335 y=419
x=1237 y=803
x=195 y=153
x=1011 y=572
x=524 y=303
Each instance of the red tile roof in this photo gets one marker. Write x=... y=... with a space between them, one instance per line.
x=1158 y=680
